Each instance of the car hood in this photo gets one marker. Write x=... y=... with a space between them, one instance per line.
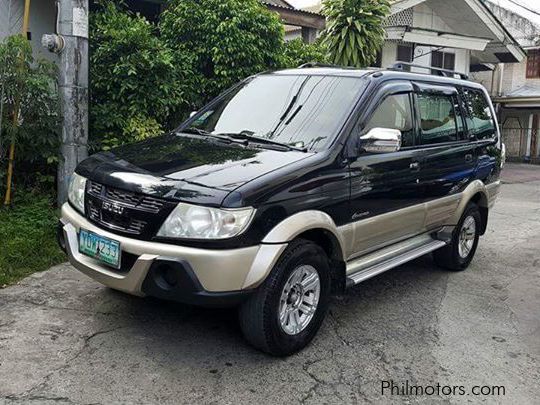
x=184 y=168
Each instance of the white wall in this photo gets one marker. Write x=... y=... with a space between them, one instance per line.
x=11 y=13
x=423 y=56
x=425 y=17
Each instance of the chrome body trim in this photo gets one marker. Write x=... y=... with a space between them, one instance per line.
x=381 y=261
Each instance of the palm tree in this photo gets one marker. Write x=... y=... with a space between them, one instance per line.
x=354 y=32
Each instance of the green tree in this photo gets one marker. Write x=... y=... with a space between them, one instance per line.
x=137 y=82
x=229 y=40
x=29 y=109
x=354 y=32
x=297 y=52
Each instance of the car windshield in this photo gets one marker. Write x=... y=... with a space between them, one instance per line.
x=297 y=110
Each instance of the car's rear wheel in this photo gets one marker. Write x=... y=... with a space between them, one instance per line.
x=287 y=310
x=459 y=253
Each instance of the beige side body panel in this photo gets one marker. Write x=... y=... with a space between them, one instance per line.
x=362 y=237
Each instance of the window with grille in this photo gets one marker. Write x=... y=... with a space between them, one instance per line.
x=443 y=60
x=533 y=64
x=405 y=53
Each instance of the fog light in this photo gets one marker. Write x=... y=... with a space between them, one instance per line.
x=166 y=277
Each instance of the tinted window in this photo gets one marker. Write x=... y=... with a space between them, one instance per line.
x=479 y=117
x=395 y=112
x=438 y=119
x=305 y=111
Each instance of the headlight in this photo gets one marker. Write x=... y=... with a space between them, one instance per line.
x=76 y=188
x=197 y=222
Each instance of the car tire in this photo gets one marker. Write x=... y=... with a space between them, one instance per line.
x=297 y=290
x=457 y=255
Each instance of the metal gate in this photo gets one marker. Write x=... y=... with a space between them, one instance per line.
x=521 y=144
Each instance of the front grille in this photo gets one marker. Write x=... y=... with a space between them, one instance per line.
x=122 y=196
x=126 y=197
x=95 y=188
x=124 y=211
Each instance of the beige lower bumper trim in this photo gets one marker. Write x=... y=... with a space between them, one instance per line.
x=130 y=282
x=217 y=270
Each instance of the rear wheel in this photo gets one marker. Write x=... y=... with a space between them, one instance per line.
x=459 y=253
x=287 y=310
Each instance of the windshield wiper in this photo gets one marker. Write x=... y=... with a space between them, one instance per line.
x=199 y=131
x=195 y=130
x=246 y=136
x=293 y=102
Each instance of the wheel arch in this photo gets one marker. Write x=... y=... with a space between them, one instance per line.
x=331 y=246
x=315 y=226
x=477 y=193
x=481 y=200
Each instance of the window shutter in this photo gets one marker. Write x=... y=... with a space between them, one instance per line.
x=533 y=64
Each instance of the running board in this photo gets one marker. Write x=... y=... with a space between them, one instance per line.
x=385 y=259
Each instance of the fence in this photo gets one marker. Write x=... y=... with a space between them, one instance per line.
x=521 y=144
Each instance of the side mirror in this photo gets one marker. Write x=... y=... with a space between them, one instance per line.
x=381 y=140
x=191 y=114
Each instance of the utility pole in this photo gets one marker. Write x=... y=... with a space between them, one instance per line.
x=71 y=43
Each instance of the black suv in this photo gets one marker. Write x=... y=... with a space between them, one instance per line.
x=288 y=188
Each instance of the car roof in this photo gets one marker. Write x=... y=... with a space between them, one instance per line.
x=376 y=73
x=325 y=71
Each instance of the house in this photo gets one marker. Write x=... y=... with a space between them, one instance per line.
x=305 y=24
x=515 y=88
x=460 y=35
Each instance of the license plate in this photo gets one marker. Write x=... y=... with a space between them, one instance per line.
x=98 y=247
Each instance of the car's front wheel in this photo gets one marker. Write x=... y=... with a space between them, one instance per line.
x=287 y=310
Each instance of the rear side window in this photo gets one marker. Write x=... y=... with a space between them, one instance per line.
x=439 y=118
x=395 y=112
x=480 y=120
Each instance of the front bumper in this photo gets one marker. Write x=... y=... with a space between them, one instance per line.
x=185 y=274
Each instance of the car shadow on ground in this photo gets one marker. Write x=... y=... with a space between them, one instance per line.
x=181 y=329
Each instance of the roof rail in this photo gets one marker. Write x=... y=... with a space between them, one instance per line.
x=317 y=64
x=440 y=72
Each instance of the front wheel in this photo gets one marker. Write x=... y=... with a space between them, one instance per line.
x=287 y=310
x=459 y=253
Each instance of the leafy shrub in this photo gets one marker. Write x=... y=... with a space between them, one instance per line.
x=137 y=82
x=228 y=40
x=354 y=30
x=28 y=237
x=297 y=52
x=30 y=88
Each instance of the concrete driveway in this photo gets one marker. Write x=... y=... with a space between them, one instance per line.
x=66 y=339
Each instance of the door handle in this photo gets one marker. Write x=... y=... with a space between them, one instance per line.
x=415 y=166
x=468 y=158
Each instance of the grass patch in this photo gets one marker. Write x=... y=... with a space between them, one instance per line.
x=28 y=237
